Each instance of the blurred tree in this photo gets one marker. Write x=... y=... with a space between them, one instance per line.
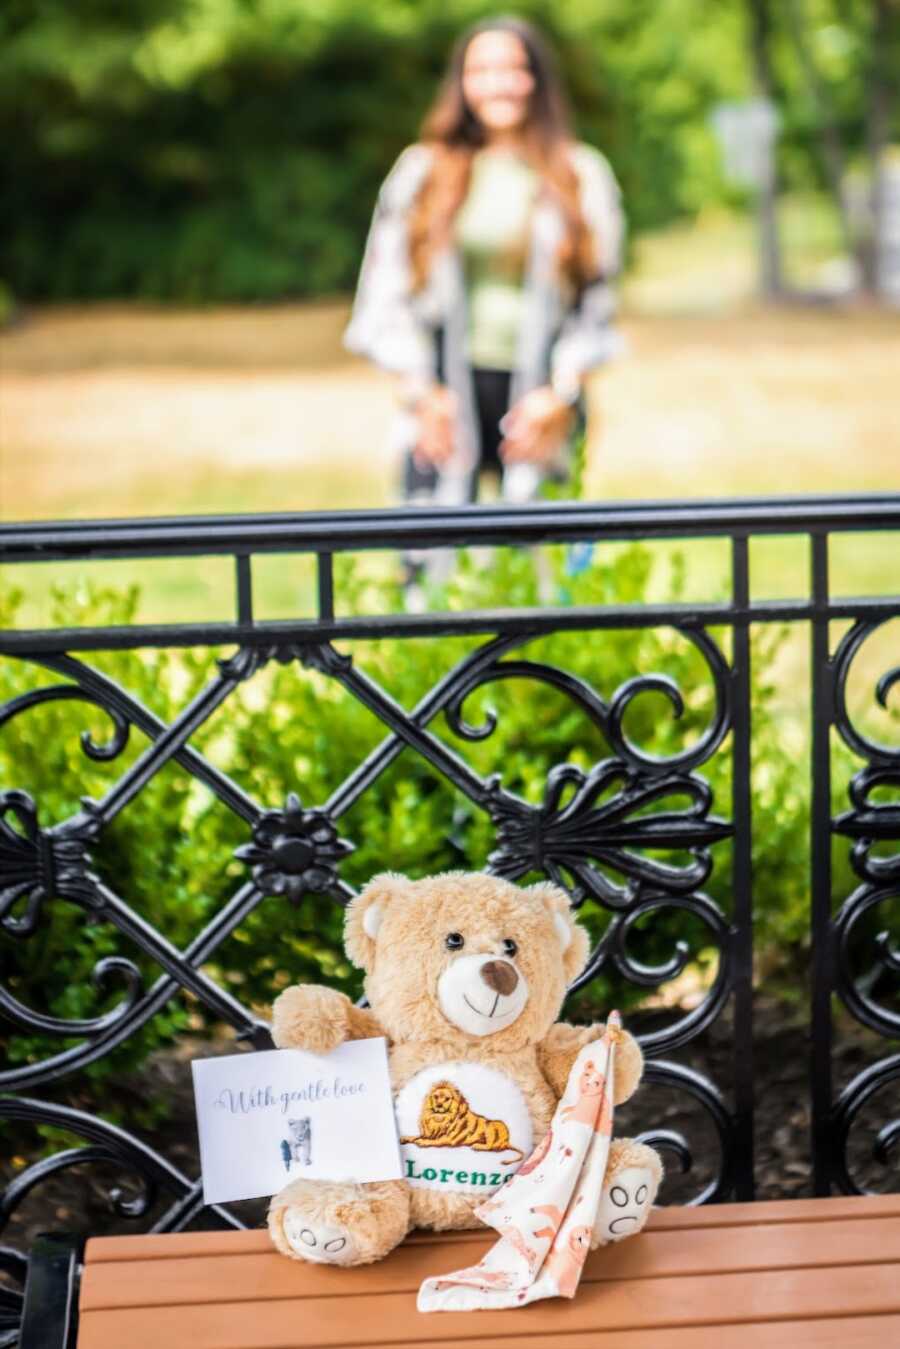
x=231 y=149
x=831 y=142
x=884 y=80
x=771 y=271
x=875 y=32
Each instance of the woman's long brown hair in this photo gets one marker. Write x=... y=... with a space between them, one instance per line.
x=455 y=134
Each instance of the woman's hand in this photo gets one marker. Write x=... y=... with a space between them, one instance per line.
x=535 y=427
x=436 y=410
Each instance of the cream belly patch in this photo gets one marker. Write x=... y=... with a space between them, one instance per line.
x=463 y=1127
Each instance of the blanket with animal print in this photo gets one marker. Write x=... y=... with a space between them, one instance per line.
x=545 y=1213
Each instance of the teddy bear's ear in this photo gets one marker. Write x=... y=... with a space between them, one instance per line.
x=573 y=938
x=364 y=914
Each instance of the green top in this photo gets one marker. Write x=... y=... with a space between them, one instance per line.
x=492 y=232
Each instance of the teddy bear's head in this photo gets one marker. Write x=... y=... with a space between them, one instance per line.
x=464 y=957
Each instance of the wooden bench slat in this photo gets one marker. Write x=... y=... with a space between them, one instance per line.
x=642 y=1304
x=845 y=1207
x=868 y=1332
x=201 y=1278
x=864 y=1332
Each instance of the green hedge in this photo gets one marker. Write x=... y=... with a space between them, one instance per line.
x=170 y=853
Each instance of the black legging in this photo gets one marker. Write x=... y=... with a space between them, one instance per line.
x=491 y=403
x=491 y=391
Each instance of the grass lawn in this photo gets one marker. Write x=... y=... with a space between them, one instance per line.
x=119 y=410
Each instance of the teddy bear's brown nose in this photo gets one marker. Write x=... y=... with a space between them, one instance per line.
x=500 y=976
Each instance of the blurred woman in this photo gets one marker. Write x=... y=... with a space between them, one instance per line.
x=486 y=278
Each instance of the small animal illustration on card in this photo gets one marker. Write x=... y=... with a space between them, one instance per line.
x=296 y=1147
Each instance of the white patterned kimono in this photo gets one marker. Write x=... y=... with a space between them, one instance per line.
x=418 y=333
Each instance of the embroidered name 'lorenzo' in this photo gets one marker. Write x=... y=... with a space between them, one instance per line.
x=449 y=1177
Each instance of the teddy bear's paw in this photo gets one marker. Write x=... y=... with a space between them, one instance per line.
x=309 y=1017
x=629 y=1067
x=323 y=1243
x=632 y=1182
x=625 y=1205
x=335 y=1223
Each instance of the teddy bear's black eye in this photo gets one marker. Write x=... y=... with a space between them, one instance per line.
x=509 y=947
x=454 y=940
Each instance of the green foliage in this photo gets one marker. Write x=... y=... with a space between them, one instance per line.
x=201 y=150
x=7 y=305
x=169 y=854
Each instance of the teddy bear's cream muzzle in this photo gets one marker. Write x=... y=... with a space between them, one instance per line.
x=482 y=994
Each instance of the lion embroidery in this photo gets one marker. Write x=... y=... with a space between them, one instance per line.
x=447 y=1121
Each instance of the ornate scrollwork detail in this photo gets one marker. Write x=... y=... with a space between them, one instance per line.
x=711 y=738
x=868 y=823
x=871 y=822
x=36 y=864
x=496 y=669
x=108 y=1144
x=609 y=717
x=885 y=684
x=850 y=1103
x=104 y=972
x=249 y=660
x=322 y=656
x=104 y=1033
x=295 y=851
x=134 y=1207
x=686 y=1080
x=875 y=752
x=851 y=989
x=613 y=948
x=570 y=838
x=65 y=692
x=670 y=1140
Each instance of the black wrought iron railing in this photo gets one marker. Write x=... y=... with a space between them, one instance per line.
x=601 y=829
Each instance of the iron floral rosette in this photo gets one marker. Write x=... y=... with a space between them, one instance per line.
x=295 y=851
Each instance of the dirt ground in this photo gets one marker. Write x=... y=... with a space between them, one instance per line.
x=119 y=410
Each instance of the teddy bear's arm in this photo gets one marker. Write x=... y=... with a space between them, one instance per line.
x=308 y=1016
x=562 y=1045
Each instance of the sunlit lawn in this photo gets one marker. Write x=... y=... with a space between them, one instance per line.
x=123 y=411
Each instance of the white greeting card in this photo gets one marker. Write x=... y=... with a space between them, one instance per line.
x=279 y=1115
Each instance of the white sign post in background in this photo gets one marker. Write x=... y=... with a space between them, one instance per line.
x=747 y=132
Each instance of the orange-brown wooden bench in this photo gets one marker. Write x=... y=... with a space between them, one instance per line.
x=786 y=1275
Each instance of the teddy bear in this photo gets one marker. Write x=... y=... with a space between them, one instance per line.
x=465 y=975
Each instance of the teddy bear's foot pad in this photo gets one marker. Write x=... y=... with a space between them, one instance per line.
x=625 y=1204
x=323 y=1243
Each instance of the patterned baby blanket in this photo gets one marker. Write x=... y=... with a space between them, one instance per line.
x=545 y=1214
